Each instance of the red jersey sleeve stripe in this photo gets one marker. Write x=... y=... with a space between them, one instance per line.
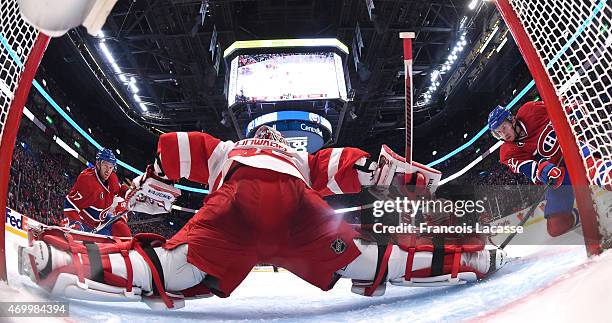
x=187 y=155
x=201 y=147
x=332 y=170
x=346 y=175
x=184 y=151
x=167 y=148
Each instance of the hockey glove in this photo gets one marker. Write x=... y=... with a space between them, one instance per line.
x=151 y=194
x=548 y=173
x=118 y=208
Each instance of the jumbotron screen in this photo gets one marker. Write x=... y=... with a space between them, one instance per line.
x=286 y=76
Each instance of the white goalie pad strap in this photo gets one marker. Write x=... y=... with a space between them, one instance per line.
x=364 y=266
x=153 y=197
x=55 y=18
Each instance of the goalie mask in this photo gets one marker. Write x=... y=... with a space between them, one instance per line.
x=265 y=132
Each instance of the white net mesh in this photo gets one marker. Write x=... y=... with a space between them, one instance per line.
x=16 y=40
x=573 y=39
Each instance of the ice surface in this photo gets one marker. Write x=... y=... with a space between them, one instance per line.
x=535 y=286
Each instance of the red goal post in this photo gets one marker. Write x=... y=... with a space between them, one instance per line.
x=566 y=45
x=21 y=50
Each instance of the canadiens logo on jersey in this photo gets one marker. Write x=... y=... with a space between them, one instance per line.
x=104 y=215
x=548 y=145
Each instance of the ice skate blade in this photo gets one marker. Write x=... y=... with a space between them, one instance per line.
x=438 y=281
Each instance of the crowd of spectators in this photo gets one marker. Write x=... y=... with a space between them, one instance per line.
x=38 y=184
x=507 y=192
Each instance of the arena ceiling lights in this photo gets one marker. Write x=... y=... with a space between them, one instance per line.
x=129 y=83
x=436 y=75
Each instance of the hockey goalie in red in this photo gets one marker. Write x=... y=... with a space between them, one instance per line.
x=531 y=148
x=95 y=198
x=265 y=206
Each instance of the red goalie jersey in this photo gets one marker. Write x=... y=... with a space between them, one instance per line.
x=202 y=158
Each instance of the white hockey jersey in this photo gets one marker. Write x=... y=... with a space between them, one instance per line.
x=202 y=158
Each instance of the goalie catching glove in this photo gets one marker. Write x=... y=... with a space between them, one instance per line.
x=151 y=193
x=392 y=170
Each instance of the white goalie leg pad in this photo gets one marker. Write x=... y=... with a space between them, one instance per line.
x=363 y=269
x=364 y=266
x=178 y=274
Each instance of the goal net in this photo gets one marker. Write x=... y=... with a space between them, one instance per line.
x=567 y=47
x=21 y=49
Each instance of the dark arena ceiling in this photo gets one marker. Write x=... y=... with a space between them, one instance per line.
x=165 y=46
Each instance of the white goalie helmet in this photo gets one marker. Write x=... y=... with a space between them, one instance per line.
x=266 y=132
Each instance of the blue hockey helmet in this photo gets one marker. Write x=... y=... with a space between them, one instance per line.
x=106 y=155
x=497 y=117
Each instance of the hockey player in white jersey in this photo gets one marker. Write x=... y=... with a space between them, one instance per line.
x=265 y=206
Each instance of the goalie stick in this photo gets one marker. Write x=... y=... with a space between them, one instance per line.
x=407 y=45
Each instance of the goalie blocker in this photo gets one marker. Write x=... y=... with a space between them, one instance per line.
x=151 y=193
